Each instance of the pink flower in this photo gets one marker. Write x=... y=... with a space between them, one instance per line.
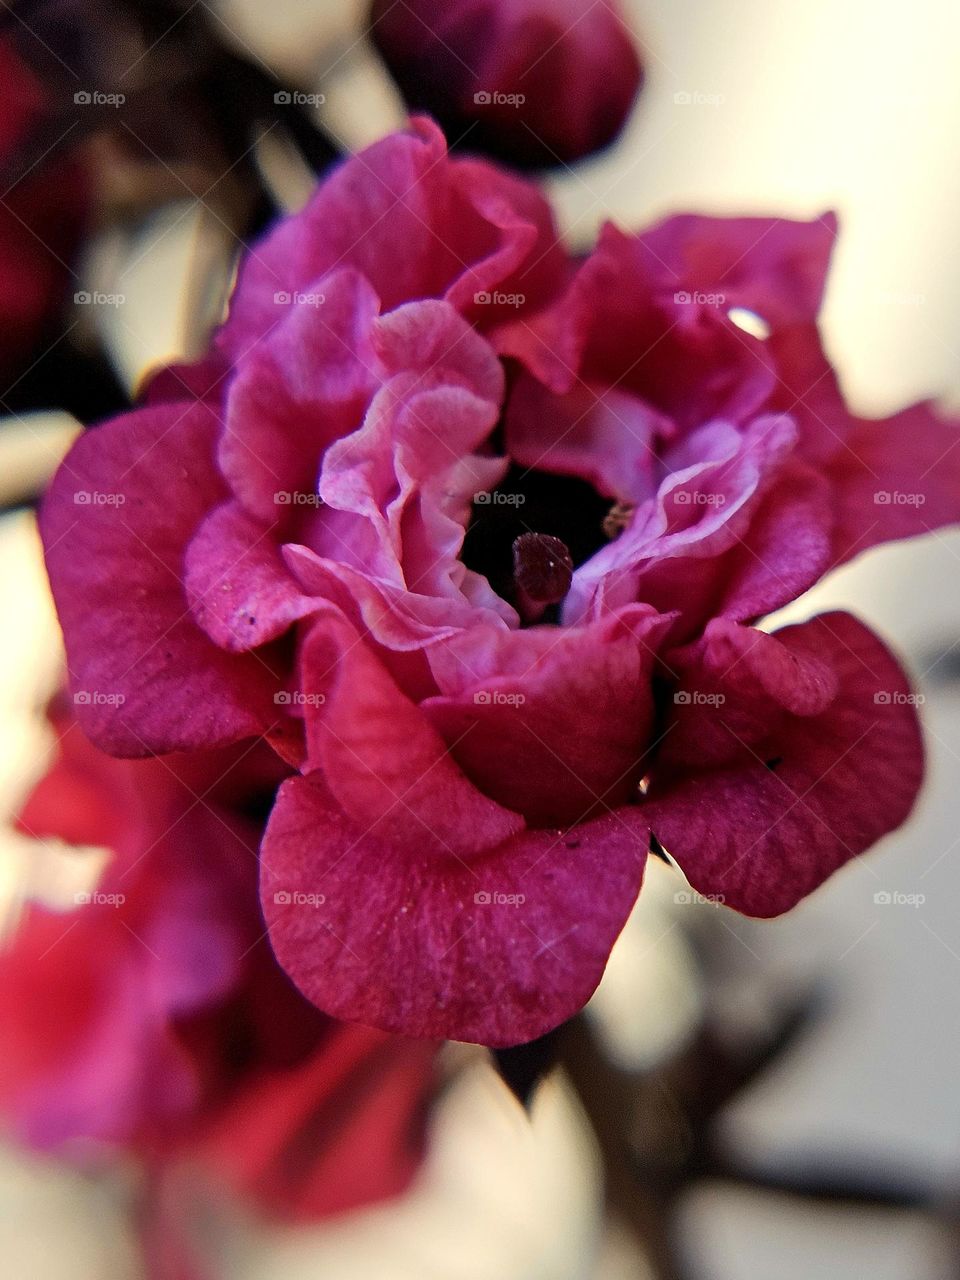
x=533 y=82
x=476 y=537
x=152 y=1016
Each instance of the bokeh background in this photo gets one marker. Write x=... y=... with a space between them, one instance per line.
x=788 y=1088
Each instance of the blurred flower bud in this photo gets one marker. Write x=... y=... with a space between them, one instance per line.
x=533 y=82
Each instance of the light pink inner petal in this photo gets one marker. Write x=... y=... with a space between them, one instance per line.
x=302 y=385
x=718 y=476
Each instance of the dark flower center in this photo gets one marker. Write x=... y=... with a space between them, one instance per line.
x=529 y=535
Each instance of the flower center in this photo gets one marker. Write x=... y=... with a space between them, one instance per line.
x=529 y=535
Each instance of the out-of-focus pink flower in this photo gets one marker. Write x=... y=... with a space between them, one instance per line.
x=154 y=1017
x=40 y=217
x=476 y=536
x=532 y=82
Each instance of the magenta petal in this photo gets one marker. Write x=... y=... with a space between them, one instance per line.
x=787 y=549
x=734 y=685
x=775 y=267
x=604 y=436
x=145 y=677
x=896 y=478
x=763 y=833
x=552 y=722
x=302 y=385
x=239 y=589
x=498 y=951
x=382 y=759
x=416 y=223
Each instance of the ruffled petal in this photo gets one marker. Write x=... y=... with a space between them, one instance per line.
x=145 y=677
x=762 y=831
x=498 y=950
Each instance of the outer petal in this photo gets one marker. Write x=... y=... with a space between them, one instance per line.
x=787 y=548
x=552 y=722
x=497 y=952
x=735 y=685
x=621 y=323
x=765 y=831
x=416 y=223
x=896 y=478
x=384 y=762
x=115 y=525
x=776 y=267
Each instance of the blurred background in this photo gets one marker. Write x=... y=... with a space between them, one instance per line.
x=745 y=1096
